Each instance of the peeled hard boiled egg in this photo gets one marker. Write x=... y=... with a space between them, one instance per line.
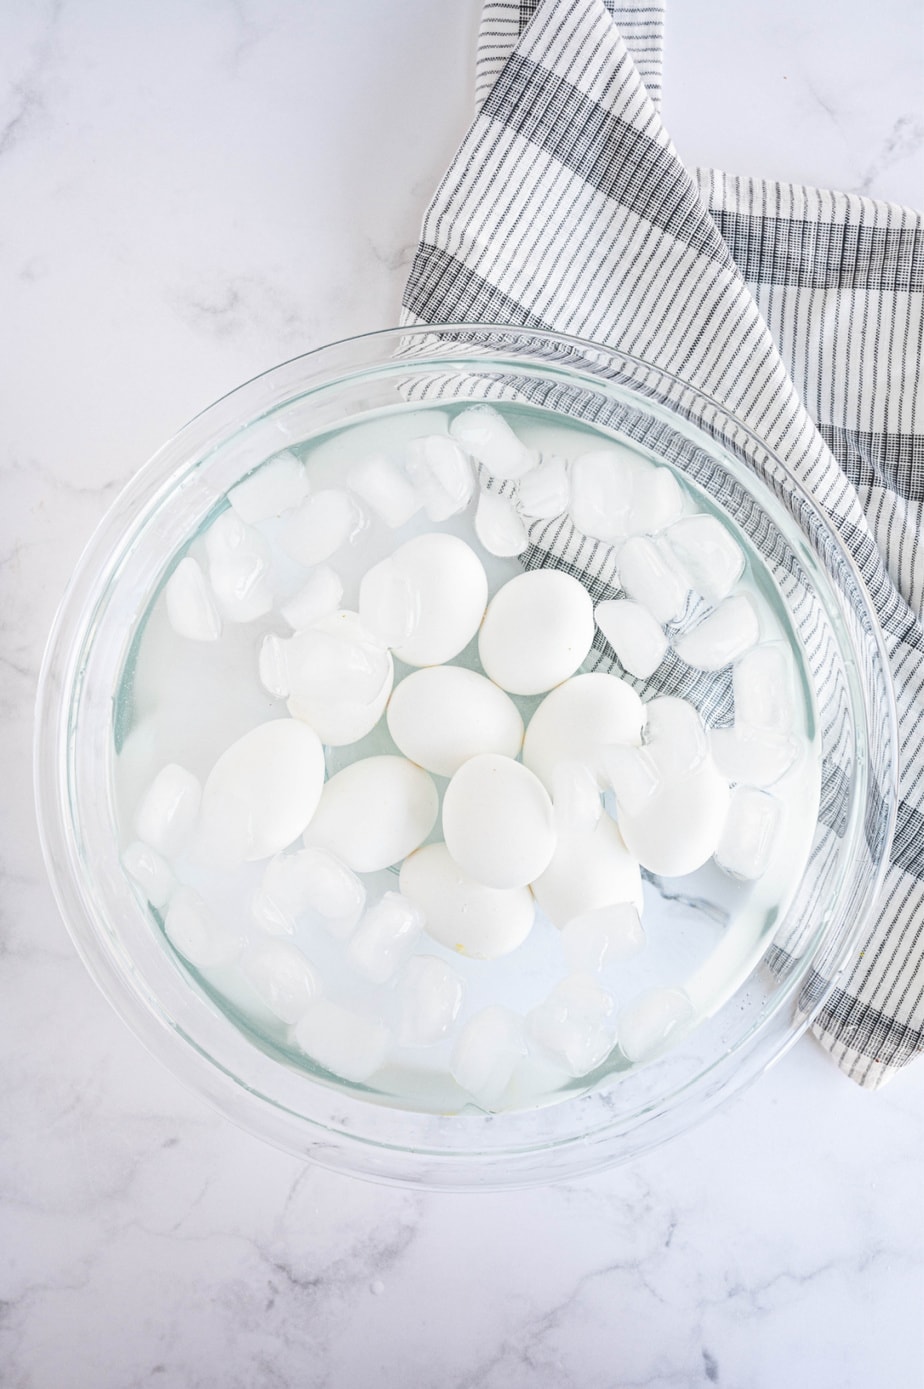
x=588 y=871
x=536 y=632
x=577 y=721
x=448 y=592
x=374 y=812
x=478 y=921
x=442 y=716
x=497 y=821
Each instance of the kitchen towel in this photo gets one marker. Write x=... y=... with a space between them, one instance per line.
x=799 y=310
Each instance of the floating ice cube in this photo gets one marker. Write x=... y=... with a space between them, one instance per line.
x=487 y=436
x=575 y=798
x=311 y=879
x=675 y=737
x=282 y=976
x=545 y=491
x=574 y=1027
x=191 y=610
x=651 y=1021
x=750 y=832
x=656 y=499
x=239 y=568
x=754 y=756
x=340 y=677
x=261 y=792
x=498 y=526
x=385 y=937
x=441 y=474
x=389 y=603
x=595 y=939
x=601 y=493
x=635 y=636
x=384 y=488
x=321 y=525
x=487 y=1052
x=649 y=574
x=168 y=810
x=711 y=559
x=429 y=997
x=277 y=486
x=194 y=931
x=721 y=637
x=343 y=1042
x=273 y=666
x=764 y=686
x=320 y=595
x=152 y=873
x=632 y=775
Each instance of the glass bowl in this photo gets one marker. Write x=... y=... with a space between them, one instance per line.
x=626 y=1110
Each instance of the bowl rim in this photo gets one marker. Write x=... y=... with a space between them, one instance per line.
x=204 y=1073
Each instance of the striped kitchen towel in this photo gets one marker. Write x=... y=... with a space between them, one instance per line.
x=800 y=311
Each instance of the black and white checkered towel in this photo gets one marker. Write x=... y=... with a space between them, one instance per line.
x=799 y=310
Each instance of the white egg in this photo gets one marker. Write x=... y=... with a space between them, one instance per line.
x=442 y=716
x=498 y=822
x=679 y=825
x=374 y=812
x=577 y=721
x=478 y=921
x=450 y=592
x=588 y=871
x=339 y=676
x=262 y=791
x=536 y=632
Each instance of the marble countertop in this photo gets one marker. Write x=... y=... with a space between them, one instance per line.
x=192 y=191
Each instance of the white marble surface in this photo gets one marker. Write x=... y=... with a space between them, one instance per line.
x=190 y=191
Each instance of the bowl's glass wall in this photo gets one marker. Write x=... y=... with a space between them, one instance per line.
x=169 y=500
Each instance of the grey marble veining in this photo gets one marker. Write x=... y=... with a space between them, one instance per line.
x=189 y=193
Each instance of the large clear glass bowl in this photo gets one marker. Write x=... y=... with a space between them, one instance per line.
x=348 y=1128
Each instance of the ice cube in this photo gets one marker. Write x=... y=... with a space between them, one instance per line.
x=321 y=525
x=652 y=1021
x=487 y=436
x=441 y=474
x=753 y=756
x=574 y=1027
x=152 y=873
x=601 y=493
x=389 y=603
x=385 y=937
x=282 y=976
x=239 y=568
x=721 y=637
x=498 y=526
x=632 y=775
x=343 y=1042
x=656 y=499
x=429 y=996
x=545 y=491
x=649 y=574
x=320 y=595
x=276 y=486
x=384 y=488
x=597 y=938
x=749 y=836
x=340 y=677
x=194 y=931
x=712 y=561
x=273 y=666
x=575 y=798
x=635 y=636
x=487 y=1052
x=168 y=810
x=191 y=610
x=764 y=686
x=311 y=879
x=675 y=737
